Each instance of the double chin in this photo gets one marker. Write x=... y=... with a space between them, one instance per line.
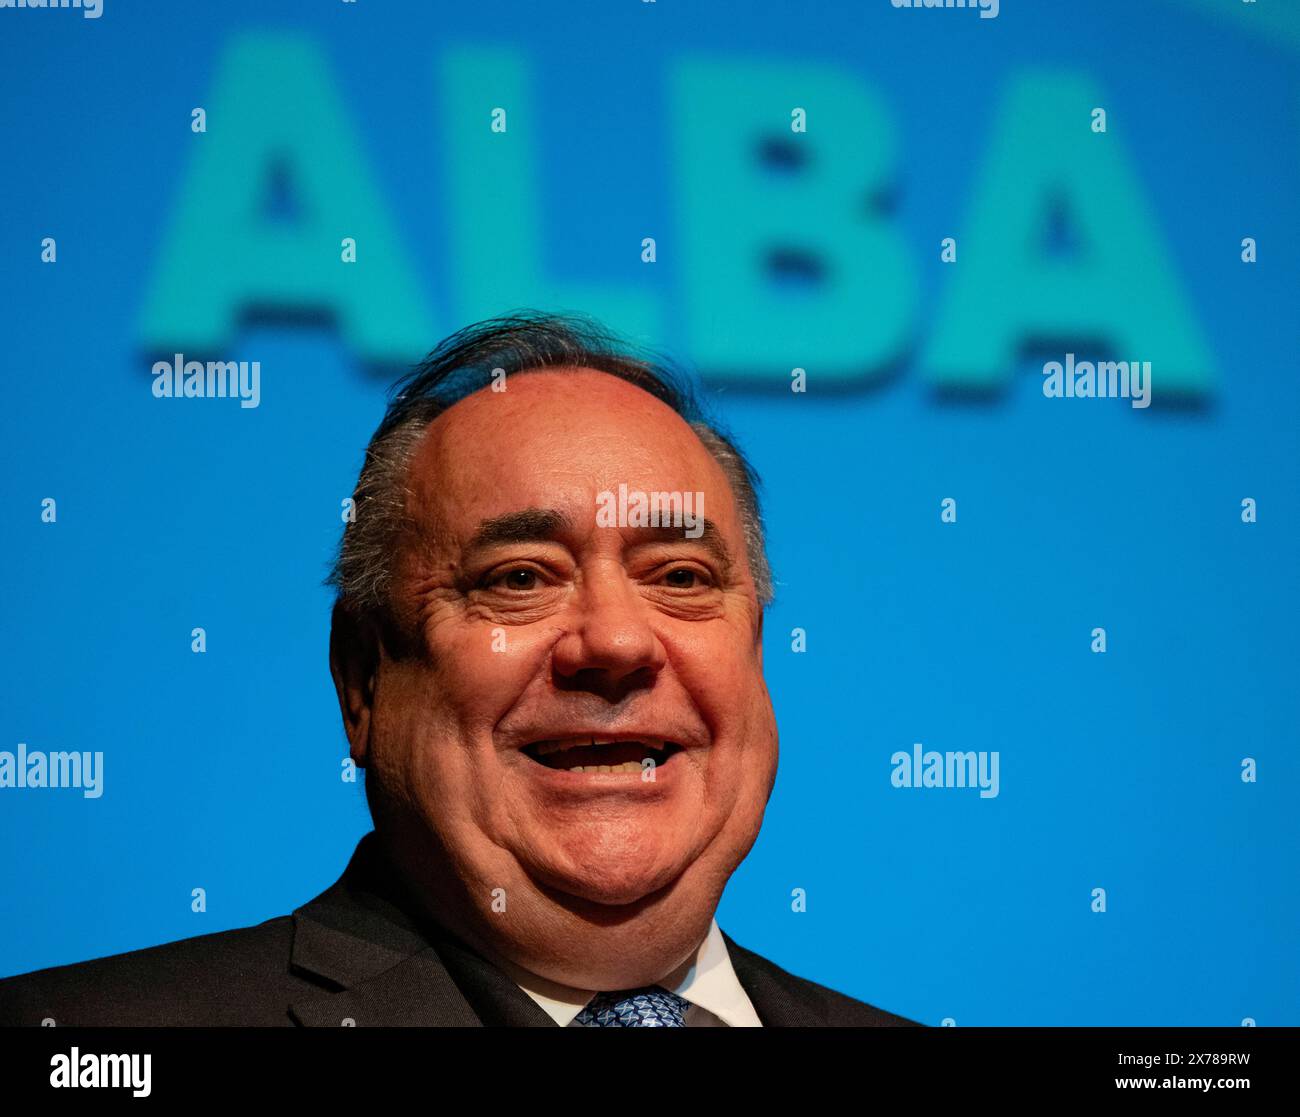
x=590 y=944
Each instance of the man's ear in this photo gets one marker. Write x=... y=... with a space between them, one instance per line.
x=354 y=664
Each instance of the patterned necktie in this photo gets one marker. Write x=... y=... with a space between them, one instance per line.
x=649 y=1007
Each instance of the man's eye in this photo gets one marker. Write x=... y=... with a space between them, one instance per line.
x=683 y=578
x=521 y=578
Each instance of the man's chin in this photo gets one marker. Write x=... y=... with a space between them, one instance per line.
x=604 y=883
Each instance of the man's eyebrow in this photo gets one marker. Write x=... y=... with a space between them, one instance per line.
x=532 y=525
x=711 y=539
x=529 y=525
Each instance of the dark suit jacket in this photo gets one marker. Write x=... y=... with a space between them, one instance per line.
x=353 y=953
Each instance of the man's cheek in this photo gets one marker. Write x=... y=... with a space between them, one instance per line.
x=501 y=652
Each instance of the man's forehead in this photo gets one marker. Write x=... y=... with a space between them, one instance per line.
x=549 y=402
x=558 y=441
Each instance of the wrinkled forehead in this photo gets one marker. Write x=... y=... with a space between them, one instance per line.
x=559 y=440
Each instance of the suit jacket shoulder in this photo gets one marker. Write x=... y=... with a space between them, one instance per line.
x=206 y=980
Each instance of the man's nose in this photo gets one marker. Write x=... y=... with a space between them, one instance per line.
x=611 y=648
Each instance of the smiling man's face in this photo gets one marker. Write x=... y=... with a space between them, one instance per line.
x=544 y=645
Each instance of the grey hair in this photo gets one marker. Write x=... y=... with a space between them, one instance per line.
x=525 y=341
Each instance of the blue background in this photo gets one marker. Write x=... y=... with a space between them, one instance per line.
x=1119 y=771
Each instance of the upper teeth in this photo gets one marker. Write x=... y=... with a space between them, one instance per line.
x=545 y=747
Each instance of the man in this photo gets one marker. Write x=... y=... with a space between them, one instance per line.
x=547 y=652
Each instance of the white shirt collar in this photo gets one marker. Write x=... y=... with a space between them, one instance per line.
x=707 y=981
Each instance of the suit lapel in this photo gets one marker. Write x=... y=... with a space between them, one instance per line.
x=375 y=967
x=497 y=999
x=780 y=1000
x=416 y=992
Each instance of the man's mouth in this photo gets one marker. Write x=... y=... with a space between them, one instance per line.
x=601 y=754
